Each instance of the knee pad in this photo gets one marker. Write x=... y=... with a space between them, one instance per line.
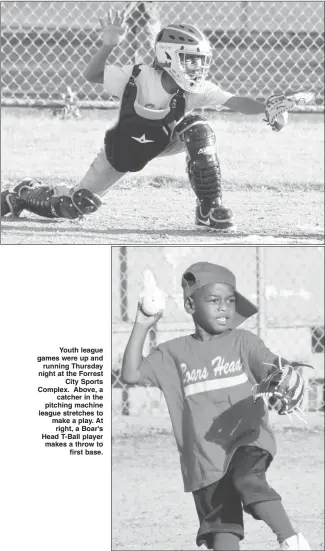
x=77 y=204
x=85 y=201
x=202 y=159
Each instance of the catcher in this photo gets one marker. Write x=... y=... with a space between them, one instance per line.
x=213 y=381
x=154 y=119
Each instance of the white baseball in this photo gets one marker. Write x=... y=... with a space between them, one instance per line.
x=153 y=304
x=281 y=120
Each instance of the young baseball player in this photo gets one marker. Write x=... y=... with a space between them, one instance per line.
x=223 y=436
x=153 y=100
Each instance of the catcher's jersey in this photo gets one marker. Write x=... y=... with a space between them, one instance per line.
x=207 y=387
x=152 y=99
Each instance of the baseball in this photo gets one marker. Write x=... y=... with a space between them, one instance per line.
x=281 y=120
x=153 y=304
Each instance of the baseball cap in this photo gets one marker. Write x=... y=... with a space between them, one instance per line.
x=203 y=273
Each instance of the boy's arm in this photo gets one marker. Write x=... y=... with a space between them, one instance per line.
x=262 y=361
x=95 y=69
x=244 y=105
x=133 y=353
x=214 y=96
x=113 y=28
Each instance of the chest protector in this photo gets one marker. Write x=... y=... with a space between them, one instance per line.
x=134 y=141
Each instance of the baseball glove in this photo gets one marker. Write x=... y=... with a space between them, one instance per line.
x=276 y=105
x=285 y=384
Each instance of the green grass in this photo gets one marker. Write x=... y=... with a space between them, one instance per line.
x=252 y=156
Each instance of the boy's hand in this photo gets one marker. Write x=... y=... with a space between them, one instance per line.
x=145 y=320
x=113 y=26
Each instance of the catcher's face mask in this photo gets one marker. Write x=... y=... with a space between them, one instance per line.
x=203 y=274
x=195 y=69
x=184 y=53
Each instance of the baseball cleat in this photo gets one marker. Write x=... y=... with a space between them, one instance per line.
x=296 y=542
x=216 y=218
x=11 y=203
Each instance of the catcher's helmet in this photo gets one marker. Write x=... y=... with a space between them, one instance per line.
x=185 y=54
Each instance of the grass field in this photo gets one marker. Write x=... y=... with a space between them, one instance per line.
x=151 y=511
x=272 y=181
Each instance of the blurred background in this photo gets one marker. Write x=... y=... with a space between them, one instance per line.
x=287 y=284
x=259 y=48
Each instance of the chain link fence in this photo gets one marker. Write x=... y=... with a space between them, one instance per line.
x=287 y=284
x=259 y=48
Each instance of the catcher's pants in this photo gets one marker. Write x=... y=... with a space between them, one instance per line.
x=101 y=175
x=220 y=505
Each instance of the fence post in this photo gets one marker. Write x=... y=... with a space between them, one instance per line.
x=124 y=316
x=244 y=19
x=260 y=292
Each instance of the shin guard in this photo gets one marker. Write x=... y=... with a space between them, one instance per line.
x=202 y=159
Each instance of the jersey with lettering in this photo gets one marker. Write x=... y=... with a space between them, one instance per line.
x=207 y=386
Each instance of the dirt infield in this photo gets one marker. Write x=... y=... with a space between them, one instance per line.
x=150 y=510
x=147 y=215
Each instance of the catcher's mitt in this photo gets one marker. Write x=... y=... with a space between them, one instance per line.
x=285 y=384
x=276 y=105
